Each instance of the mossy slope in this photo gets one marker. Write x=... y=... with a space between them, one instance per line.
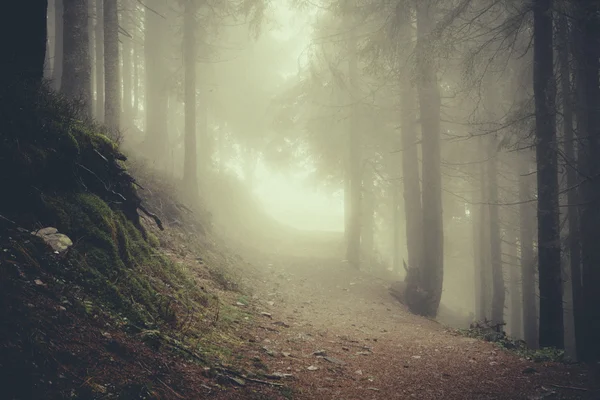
x=60 y=170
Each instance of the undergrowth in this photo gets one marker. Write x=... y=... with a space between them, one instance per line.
x=484 y=330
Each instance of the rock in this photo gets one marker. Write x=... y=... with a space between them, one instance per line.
x=321 y=353
x=281 y=323
x=39 y=282
x=312 y=368
x=334 y=360
x=239 y=304
x=363 y=353
x=285 y=354
x=266 y=314
x=271 y=303
x=358 y=372
x=416 y=357
x=59 y=242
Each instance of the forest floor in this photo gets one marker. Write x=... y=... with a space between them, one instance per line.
x=302 y=326
x=340 y=335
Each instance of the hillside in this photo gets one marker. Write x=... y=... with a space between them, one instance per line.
x=152 y=297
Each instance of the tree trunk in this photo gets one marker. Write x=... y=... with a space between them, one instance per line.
x=77 y=71
x=355 y=161
x=112 y=83
x=99 y=49
x=516 y=303
x=432 y=259
x=57 y=65
x=588 y=132
x=155 y=51
x=24 y=33
x=190 y=167
x=127 y=75
x=573 y=241
x=550 y=283
x=368 y=217
x=413 y=213
x=526 y=238
x=498 y=288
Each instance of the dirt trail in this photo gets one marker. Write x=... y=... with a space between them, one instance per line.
x=341 y=336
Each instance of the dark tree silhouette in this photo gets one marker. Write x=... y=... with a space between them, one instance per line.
x=24 y=36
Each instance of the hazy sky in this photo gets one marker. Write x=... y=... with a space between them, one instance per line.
x=291 y=198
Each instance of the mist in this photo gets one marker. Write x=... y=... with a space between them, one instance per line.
x=398 y=162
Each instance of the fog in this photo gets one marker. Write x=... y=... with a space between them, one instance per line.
x=406 y=129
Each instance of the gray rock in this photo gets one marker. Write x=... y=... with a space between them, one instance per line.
x=59 y=242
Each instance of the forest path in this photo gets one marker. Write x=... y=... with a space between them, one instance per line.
x=340 y=335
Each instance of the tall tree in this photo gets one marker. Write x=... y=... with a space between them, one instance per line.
x=498 y=289
x=432 y=259
x=190 y=162
x=354 y=157
x=549 y=252
x=112 y=82
x=77 y=71
x=586 y=35
x=410 y=153
x=156 y=85
x=57 y=65
x=127 y=71
x=526 y=235
x=99 y=50
x=574 y=245
x=23 y=58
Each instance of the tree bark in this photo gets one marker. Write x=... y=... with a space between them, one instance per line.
x=77 y=71
x=526 y=238
x=355 y=160
x=432 y=258
x=413 y=212
x=112 y=82
x=99 y=49
x=574 y=245
x=127 y=74
x=586 y=54
x=190 y=162
x=550 y=283
x=498 y=288
x=57 y=65
x=155 y=51
x=368 y=217
x=483 y=242
x=24 y=36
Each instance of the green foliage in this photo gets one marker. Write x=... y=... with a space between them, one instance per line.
x=483 y=331
x=58 y=169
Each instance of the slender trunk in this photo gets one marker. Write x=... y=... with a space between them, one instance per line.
x=57 y=65
x=23 y=55
x=190 y=167
x=397 y=226
x=516 y=304
x=77 y=71
x=498 y=289
x=99 y=49
x=485 y=291
x=526 y=238
x=432 y=259
x=574 y=245
x=413 y=212
x=156 y=94
x=92 y=46
x=586 y=53
x=112 y=83
x=368 y=217
x=550 y=284
x=355 y=160
x=127 y=75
